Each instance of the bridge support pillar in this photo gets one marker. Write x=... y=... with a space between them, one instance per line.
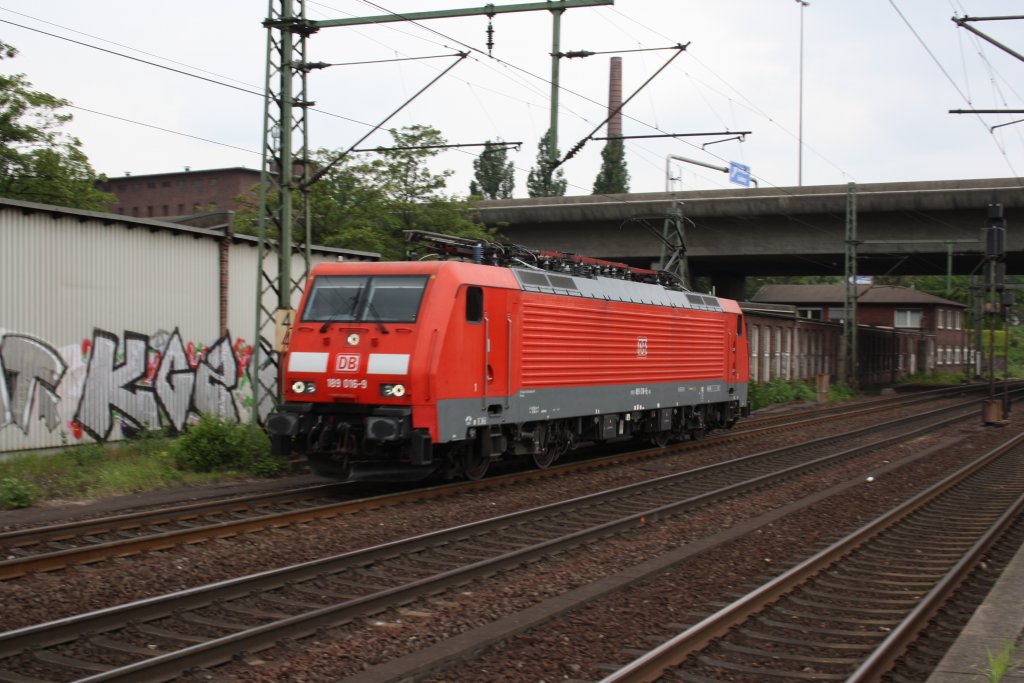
x=729 y=286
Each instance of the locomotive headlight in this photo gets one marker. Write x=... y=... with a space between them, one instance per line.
x=300 y=387
x=392 y=390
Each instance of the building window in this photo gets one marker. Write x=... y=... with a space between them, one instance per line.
x=167 y=210
x=940 y=357
x=149 y=211
x=754 y=337
x=942 y=318
x=956 y=319
x=809 y=313
x=776 y=352
x=166 y=183
x=135 y=211
x=907 y=317
x=181 y=209
x=836 y=314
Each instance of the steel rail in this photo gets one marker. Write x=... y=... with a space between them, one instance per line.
x=895 y=645
x=216 y=651
x=651 y=666
x=63 y=531
x=95 y=552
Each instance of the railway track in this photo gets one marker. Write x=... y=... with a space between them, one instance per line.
x=208 y=625
x=58 y=546
x=850 y=611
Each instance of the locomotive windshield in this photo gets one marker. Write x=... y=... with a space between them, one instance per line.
x=372 y=298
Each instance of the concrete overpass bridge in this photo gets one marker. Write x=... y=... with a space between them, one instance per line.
x=914 y=228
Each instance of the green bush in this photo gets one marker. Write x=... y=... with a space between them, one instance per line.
x=778 y=390
x=16 y=493
x=215 y=445
x=841 y=392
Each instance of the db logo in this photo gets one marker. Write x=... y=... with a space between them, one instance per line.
x=641 y=347
x=347 y=362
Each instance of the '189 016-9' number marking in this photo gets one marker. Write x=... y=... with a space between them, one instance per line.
x=335 y=383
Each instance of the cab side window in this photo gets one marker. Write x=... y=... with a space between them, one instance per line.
x=474 y=304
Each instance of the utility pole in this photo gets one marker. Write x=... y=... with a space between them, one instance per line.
x=674 y=219
x=284 y=134
x=556 y=52
x=800 y=117
x=285 y=176
x=848 y=348
x=994 y=411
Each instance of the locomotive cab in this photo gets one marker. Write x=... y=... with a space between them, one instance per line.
x=346 y=380
x=391 y=366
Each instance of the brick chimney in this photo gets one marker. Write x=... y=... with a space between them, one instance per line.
x=615 y=97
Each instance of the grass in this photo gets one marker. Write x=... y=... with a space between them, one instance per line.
x=934 y=379
x=1000 y=663
x=151 y=462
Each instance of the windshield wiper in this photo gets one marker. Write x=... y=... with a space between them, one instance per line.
x=376 y=318
x=337 y=317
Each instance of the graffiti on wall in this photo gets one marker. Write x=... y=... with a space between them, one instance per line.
x=31 y=373
x=108 y=387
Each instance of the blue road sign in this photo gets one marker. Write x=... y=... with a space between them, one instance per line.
x=739 y=174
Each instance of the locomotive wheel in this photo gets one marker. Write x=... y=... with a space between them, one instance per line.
x=546 y=458
x=660 y=439
x=474 y=463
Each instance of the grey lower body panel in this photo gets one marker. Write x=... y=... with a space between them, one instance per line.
x=455 y=416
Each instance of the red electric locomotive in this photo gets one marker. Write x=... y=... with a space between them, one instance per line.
x=399 y=370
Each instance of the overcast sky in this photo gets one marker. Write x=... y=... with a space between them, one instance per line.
x=879 y=77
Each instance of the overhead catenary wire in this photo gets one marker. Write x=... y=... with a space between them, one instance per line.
x=326 y=169
x=963 y=95
x=320 y=111
x=579 y=145
x=162 y=129
x=135 y=59
x=646 y=155
x=256 y=93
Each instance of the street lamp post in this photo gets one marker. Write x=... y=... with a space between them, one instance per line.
x=800 y=116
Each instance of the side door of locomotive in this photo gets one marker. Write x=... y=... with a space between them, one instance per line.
x=489 y=361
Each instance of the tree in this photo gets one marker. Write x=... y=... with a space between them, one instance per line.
x=38 y=162
x=365 y=201
x=495 y=175
x=542 y=181
x=613 y=177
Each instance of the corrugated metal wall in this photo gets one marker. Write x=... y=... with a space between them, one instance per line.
x=70 y=276
x=109 y=325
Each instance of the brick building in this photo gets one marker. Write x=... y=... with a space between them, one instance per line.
x=173 y=195
x=920 y=332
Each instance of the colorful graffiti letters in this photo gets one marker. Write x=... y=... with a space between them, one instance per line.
x=139 y=381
